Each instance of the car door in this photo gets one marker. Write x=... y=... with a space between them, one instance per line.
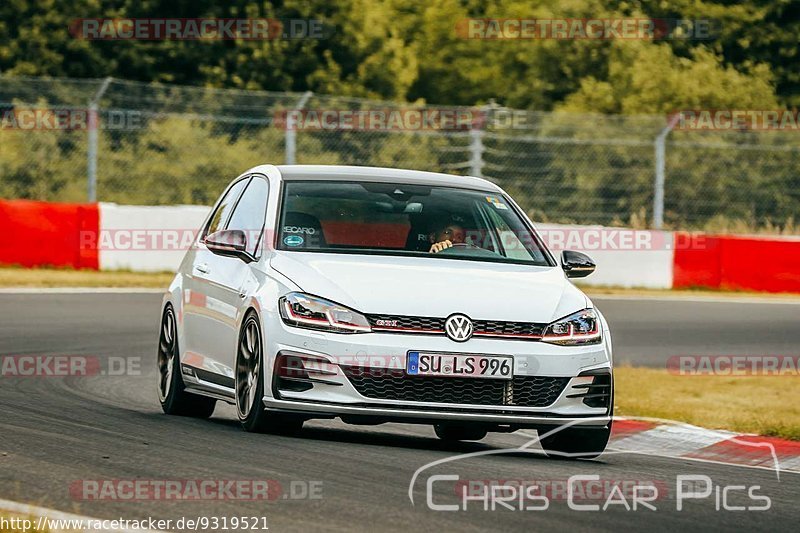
x=220 y=283
x=230 y=278
x=206 y=308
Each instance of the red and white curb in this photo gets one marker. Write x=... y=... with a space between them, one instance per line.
x=676 y=440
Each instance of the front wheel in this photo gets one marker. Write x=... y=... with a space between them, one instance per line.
x=576 y=442
x=249 y=383
x=171 y=391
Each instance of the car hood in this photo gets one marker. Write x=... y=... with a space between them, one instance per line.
x=434 y=287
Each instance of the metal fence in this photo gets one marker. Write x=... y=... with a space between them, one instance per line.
x=136 y=143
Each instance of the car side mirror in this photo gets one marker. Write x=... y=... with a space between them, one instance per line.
x=576 y=264
x=230 y=243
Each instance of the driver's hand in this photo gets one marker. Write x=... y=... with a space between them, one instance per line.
x=439 y=246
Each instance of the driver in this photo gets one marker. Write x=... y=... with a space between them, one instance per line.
x=446 y=237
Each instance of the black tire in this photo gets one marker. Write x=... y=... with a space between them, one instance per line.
x=576 y=442
x=580 y=442
x=171 y=390
x=249 y=384
x=455 y=432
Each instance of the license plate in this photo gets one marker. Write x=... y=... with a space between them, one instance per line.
x=460 y=366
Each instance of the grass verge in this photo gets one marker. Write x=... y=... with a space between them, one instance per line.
x=766 y=405
x=58 y=277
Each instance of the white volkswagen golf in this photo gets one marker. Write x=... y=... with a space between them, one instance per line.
x=383 y=295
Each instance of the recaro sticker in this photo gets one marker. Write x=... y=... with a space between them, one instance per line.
x=299 y=229
x=293 y=240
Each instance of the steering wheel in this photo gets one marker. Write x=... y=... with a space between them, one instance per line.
x=464 y=245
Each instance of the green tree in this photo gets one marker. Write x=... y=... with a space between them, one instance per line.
x=649 y=78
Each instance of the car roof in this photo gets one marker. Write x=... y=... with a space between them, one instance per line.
x=380 y=174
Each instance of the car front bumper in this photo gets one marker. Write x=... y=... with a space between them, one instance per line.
x=427 y=415
x=330 y=393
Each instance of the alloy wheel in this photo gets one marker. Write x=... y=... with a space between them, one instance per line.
x=166 y=354
x=248 y=366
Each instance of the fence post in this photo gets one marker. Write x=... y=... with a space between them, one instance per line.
x=476 y=152
x=658 y=187
x=91 y=151
x=291 y=131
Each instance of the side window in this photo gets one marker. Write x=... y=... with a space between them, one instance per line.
x=225 y=206
x=250 y=213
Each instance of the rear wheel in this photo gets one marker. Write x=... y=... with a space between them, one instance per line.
x=171 y=390
x=250 y=385
x=576 y=442
x=454 y=432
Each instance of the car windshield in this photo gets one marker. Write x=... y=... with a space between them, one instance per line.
x=410 y=220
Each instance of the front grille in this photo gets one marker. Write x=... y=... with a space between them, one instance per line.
x=482 y=328
x=523 y=391
x=399 y=322
x=497 y=327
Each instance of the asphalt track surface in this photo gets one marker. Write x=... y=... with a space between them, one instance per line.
x=56 y=431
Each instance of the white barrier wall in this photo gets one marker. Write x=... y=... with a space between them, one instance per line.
x=146 y=238
x=154 y=238
x=624 y=257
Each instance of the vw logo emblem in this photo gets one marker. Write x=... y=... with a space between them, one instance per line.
x=458 y=327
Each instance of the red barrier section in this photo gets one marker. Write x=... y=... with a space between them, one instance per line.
x=740 y=263
x=46 y=234
x=771 y=265
x=696 y=266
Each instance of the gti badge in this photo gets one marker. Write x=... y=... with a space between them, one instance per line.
x=458 y=327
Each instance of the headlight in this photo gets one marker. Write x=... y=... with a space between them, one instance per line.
x=306 y=311
x=582 y=327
